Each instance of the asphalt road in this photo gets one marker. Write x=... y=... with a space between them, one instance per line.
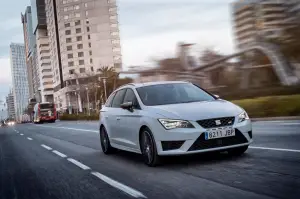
x=64 y=160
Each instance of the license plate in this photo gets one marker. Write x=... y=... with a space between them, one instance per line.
x=219 y=133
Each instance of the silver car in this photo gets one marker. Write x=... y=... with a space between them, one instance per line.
x=172 y=118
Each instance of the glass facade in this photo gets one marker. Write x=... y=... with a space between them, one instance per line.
x=19 y=78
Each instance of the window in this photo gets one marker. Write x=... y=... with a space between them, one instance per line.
x=81 y=62
x=88 y=29
x=87 y=21
x=110 y=100
x=90 y=45
x=86 y=13
x=163 y=94
x=66 y=17
x=70 y=56
x=130 y=97
x=68 y=32
x=85 y=5
x=78 y=30
x=77 y=15
x=92 y=69
x=89 y=36
x=77 y=22
x=70 y=63
x=71 y=72
x=67 y=25
x=79 y=38
x=82 y=70
x=68 y=40
x=118 y=99
x=79 y=46
x=76 y=7
x=80 y=54
x=114 y=33
x=91 y=60
x=69 y=47
x=91 y=53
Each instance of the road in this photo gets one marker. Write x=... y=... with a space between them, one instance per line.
x=64 y=160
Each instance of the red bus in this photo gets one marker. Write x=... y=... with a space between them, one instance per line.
x=44 y=112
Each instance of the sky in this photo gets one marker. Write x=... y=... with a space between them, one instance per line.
x=149 y=29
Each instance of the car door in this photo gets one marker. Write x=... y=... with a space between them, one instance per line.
x=114 y=117
x=129 y=122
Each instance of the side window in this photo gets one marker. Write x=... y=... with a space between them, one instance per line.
x=118 y=99
x=109 y=100
x=131 y=97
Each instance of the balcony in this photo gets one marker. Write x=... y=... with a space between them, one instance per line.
x=246 y=27
x=244 y=15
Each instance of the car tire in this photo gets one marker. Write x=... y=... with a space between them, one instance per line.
x=148 y=148
x=105 y=143
x=237 y=151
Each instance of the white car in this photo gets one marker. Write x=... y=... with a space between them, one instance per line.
x=171 y=118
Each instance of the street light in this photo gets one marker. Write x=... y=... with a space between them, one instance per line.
x=104 y=83
x=88 y=100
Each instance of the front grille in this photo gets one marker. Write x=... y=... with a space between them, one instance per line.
x=216 y=122
x=201 y=143
x=171 y=145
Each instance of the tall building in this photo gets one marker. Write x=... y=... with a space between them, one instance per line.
x=254 y=19
x=19 y=78
x=42 y=52
x=10 y=105
x=84 y=36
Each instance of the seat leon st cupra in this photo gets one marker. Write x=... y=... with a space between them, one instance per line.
x=171 y=118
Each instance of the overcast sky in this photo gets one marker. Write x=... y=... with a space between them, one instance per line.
x=149 y=29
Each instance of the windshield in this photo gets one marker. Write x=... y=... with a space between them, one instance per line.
x=46 y=106
x=163 y=94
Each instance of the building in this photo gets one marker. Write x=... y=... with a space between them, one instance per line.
x=19 y=78
x=10 y=105
x=84 y=36
x=256 y=19
x=29 y=42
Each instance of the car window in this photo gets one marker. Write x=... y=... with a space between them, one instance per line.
x=175 y=93
x=131 y=97
x=118 y=99
x=109 y=100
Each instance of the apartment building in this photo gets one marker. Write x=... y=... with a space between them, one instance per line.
x=10 y=105
x=29 y=42
x=255 y=19
x=42 y=52
x=84 y=36
x=19 y=78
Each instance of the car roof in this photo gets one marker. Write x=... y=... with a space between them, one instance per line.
x=138 y=85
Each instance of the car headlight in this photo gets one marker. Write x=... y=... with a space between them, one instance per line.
x=173 y=124
x=243 y=116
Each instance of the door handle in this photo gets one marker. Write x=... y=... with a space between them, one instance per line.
x=118 y=118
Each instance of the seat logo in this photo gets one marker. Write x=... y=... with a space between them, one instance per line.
x=218 y=122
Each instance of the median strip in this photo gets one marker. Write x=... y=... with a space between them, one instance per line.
x=118 y=185
x=79 y=164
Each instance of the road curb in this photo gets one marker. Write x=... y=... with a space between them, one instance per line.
x=275 y=118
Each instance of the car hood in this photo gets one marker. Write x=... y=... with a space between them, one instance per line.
x=198 y=110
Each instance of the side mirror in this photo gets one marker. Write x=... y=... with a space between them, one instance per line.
x=127 y=105
x=217 y=96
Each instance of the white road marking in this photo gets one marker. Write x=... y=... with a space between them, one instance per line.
x=287 y=124
x=46 y=147
x=22 y=134
x=79 y=164
x=119 y=185
x=29 y=138
x=274 y=149
x=59 y=154
x=69 y=128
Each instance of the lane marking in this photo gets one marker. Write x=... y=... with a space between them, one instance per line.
x=29 y=138
x=119 y=185
x=59 y=154
x=69 y=128
x=274 y=149
x=46 y=147
x=22 y=134
x=79 y=164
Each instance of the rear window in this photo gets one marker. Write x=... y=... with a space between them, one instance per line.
x=46 y=106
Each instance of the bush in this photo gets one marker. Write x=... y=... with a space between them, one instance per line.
x=272 y=106
x=75 y=117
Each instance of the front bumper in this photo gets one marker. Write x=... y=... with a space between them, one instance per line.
x=191 y=141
